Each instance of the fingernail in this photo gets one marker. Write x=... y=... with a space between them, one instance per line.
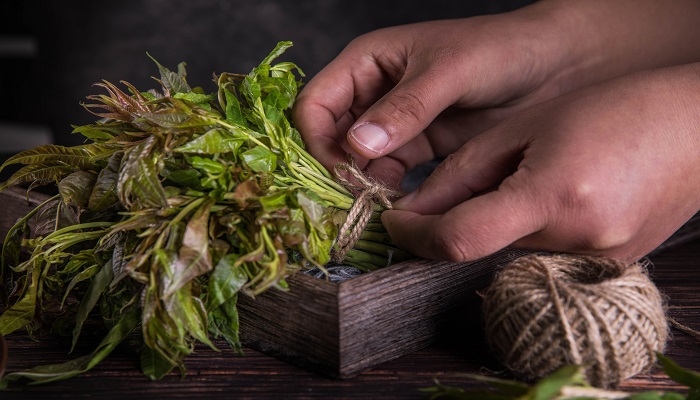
x=405 y=200
x=370 y=136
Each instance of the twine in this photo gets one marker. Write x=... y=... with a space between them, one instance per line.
x=370 y=192
x=546 y=311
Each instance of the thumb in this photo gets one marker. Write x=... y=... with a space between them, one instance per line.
x=402 y=114
x=471 y=230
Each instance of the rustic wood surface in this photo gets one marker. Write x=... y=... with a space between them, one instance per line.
x=254 y=375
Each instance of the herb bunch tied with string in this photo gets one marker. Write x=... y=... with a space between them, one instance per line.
x=178 y=201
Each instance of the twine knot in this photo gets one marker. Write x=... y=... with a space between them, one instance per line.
x=369 y=192
x=544 y=312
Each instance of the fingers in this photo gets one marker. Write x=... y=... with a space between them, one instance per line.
x=471 y=230
x=403 y=113
x=481 y=164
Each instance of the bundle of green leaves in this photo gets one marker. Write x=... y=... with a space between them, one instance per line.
x=179 y=201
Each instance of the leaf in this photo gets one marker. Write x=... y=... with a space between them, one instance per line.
x=181 y=175
x=55 y=372
x=200 y=99
x=215 y=141
x=22 y=312
x=314 y=211
x=193 y=258
x=188 y=312
x=87 y=273
x=233 y=109
x=44 y=173
x=104 y=191
x=138 y=185
x=260 y=159
x=75 y=189
x=173 y=82
x=683 y=376
x=77 y=156
x=224 y=322
x=97 y=287
x=274 y=202
x=246 y=192
x=95 y=132
x=153 y=364
x=225 y=282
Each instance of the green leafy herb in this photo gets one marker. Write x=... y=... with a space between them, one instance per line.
x=180 y=202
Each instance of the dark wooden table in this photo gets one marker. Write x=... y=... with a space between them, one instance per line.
x=255 y=375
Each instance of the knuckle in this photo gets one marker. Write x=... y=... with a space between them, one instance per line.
x=599 y=225
x=455 y=244
x=407 y=107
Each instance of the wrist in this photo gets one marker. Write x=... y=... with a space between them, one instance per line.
x=588 y=41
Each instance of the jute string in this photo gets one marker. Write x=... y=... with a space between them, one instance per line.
x=369 y=192
x=546 y=311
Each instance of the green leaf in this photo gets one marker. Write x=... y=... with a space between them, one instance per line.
x=273 y=202
x=97 y=287
x=215 y=141
x=173 y=82
x=55 y=372
x=280 y=48
x=200 y=99
x=104 y=192
x=547 y=388
x=75 y=189
x=77 y=156
x=260 y=159
x=87 y=273
x=153 y=364
x=681 y=375
x=225 y=282
x=43 y=173
x=96 y=133
x=224 y=322
x=188 y=312
x=193 y=258
x=22 y=312
x=233 y=109
x=138 y=185
x=315 y=213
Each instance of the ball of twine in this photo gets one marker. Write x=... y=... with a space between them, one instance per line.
x=546 y=311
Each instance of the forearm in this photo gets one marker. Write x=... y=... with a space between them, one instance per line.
x=592 y=40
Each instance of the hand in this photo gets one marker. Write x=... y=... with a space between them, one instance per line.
x=401 y=96
x=397 y=91
x=612 y=169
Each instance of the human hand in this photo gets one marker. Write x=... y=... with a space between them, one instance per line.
x=390 y=89
x=609 y=170
x=398 y=97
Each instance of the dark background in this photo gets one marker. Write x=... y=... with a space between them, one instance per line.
x=51 y=52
